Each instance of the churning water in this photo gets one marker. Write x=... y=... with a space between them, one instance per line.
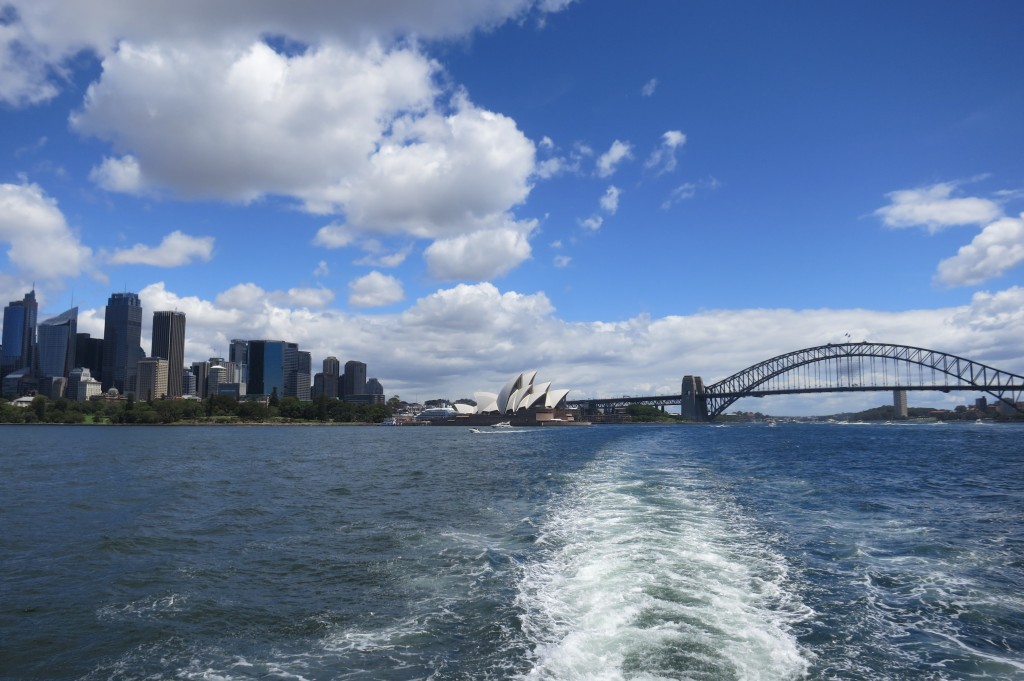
x=610 y=552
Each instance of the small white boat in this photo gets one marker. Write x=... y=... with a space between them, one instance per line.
x=503 y=424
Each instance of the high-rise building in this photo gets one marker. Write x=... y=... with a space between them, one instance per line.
x=201 y=370
x=122 y=335
x=169 y=344
x=152 y=379
x=238 y=352
x=291 y=369
x=332 y=372
x=188 y=383
x=899 y=403
x=218 y=376
x=353 y=382
x=373 y=387
x=302 y=376
x=55 y=349
x=266 y=368
x=19 y=337
x=89 y=354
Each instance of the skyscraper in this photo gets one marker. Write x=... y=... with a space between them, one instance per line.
x=55 y=349
x=302 y=376
x=238 y=352
x=169 y=344
x=354 y=380
x=122 y=335
x=89 y=354
x=332 y=371
x=266 y=368
x=291 y=369
x=19 y=338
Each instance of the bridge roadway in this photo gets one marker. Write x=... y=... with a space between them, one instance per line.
x=842 y=367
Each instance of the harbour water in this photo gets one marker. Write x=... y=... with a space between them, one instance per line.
x=613 y=552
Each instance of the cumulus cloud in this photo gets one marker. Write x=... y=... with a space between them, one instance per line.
x=935 y=208
x=593 y=223
x=41 y=245
x=310 y=297
x=175 y=250
x=334 y=235
x=562 y=261
x=609 y=160
x=481 y=255
x=474 y=336
x=996 y=249
x=241 y=122
x=346 y=121
x=119 y=175
x=649 y=87
x=375 y=290
x=37 y=37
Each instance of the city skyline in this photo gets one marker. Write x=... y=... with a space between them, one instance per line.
x=617 y=196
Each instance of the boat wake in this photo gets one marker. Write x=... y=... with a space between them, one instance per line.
x=658 y=580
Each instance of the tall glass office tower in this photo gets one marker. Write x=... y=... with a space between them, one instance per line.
x=122 y=338
x=19 y=338
x=266 y=367
x=169 y=344
x=56 y=345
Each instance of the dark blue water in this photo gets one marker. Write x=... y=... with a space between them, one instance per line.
x=617 y=552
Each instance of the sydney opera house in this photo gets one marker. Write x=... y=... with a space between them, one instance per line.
x=520 y=402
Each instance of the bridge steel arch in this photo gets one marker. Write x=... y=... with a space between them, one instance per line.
x=848 y=367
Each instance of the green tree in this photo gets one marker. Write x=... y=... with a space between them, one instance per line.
x=39 y=407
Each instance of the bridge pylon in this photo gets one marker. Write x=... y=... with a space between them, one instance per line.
x=693 y=405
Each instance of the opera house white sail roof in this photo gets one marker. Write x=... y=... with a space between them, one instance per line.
x=520 y=393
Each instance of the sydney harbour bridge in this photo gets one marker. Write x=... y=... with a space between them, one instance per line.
x=832 y=368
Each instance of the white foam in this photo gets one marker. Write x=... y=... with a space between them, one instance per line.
x=644 y=580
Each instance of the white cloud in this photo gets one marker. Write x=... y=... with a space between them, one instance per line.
x=649 y=87
x=592 y=223
x=996 y=249
x=685 y=191
x=481 y=255
x=310 y=297
x=562 y=261
x=610 y=200
x=119 y=175
x=361 y=132
x=664 y=157
x=334 y=235
x=237 y=123
x=24 y=74
x=41 y=243
x=39 y=36
x=473 y=337
x=322 y=269
x=175 y=250
x=609 y=160
x=377 y=256
x=375 y=290
x=933 y=207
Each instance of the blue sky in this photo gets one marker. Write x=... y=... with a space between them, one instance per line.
x=613 y=194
